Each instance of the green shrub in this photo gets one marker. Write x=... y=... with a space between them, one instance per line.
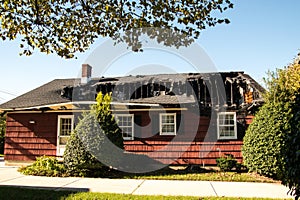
x=272 y=142
x=226 y=163
x=239 y=167
x=264 y=142
x=90 y=140
x=106 y=120
x=44 y=166
x=77 y=159
x=292 y=154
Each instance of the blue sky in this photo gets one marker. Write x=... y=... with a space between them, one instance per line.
x=263 y=35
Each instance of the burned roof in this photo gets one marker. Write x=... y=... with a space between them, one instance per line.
x=153 y=89
x=179 y=77
x=166 y=99
x=253 y=82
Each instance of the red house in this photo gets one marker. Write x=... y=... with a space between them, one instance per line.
x=190 y=118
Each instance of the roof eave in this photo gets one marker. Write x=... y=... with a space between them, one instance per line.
x=73 y=105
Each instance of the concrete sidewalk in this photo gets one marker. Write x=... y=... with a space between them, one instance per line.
x=10 y=177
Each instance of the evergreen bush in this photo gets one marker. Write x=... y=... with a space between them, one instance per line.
x=264 y=142
x=272 y=142
x=226 y=163
x=87 y=145
x=77 y=159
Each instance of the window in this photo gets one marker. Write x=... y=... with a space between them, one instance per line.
x=227 y=125
x=167 y=123
x=65 y=126
x=125 y=122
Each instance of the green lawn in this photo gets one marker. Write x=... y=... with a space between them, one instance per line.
x=197 y=175
x=168 y=173
x=194 y=173
x=16 y=193
x=211 y=176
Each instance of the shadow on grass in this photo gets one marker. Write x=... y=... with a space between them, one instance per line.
x=112 y=173
x=36 y=193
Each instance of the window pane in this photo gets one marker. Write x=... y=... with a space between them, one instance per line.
x=63 y=140
x=222 y=119
x=226 y=125
x=125 y=124
x=167 y=128
x=226 y=119
x=227 y=131
x=164 y=119
x=65 y=126
x=168 y=124
x=170 y=119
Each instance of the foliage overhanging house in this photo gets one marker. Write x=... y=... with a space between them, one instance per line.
x=198 y=117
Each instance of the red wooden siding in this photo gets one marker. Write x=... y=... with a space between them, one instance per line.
x=192 y=145
x=181 y=153
x=188 y=147
x=25 y=141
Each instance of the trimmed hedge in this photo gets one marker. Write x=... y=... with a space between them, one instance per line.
x=272 y=141
x=264 y=142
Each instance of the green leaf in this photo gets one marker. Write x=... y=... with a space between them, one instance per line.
x=64 y=23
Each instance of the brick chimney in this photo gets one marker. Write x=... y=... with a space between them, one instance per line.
x=86 y=73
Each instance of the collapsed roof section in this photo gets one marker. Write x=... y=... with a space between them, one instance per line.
x=234 y=90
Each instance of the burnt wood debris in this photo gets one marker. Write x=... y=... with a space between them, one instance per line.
x=231 y=90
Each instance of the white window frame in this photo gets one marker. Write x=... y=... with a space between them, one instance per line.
x=132 y=125
x=161 y=123
x=60 y=148
x=228 y=125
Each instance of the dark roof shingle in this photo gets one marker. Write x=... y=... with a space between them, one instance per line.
x=49 y=93
x=166 y=99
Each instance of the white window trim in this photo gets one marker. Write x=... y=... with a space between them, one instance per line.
x=132 y=127
x=58 y=129
x=235 y=126
x=160 y=123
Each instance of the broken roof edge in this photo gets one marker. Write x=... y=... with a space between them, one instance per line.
x=50 y=93
x=254 y=83
x=147 y=77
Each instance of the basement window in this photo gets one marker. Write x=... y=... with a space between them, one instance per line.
x=125 y=123
x=167 y=122
x=227 y=128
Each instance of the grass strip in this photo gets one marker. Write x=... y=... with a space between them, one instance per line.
x=29 y=193
x=211 y=176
